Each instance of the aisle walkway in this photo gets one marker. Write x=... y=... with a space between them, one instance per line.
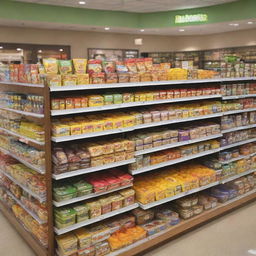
x=231 y=235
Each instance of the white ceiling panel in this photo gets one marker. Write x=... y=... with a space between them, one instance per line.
x=133 y=5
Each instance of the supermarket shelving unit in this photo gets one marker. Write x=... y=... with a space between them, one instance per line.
x=46 y=121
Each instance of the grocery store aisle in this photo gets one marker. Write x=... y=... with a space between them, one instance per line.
x=231 y=235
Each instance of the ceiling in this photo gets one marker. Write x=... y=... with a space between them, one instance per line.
x=205 y=29
x=139 y=6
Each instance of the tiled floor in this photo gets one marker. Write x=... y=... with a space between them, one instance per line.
x=231 y=235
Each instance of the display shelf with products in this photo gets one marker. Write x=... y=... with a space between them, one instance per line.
x=100 y=218
x=238 y=111
x=25 y=113
x=31 y=166
x=239 y=128
x=172 y=162
x=91 y=170
x=235 y=97
x=78 y=164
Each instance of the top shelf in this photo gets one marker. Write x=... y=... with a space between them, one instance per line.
x=145 y=84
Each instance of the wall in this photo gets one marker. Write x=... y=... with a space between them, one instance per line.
x=80 y=41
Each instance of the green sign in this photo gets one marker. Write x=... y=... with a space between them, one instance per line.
x=191 y=18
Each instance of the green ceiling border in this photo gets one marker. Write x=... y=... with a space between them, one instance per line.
x=240 y=10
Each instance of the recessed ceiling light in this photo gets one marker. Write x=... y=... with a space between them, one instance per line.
x=250 y=22
x=82 y=2
x=234 y=24
x=18 y=49
x=40 y=51
x=61 y=50
x=142 y=30
x=181 y=30
x=1 y=47
x=107 y=28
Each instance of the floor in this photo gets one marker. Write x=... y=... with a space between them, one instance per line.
x=231 y=235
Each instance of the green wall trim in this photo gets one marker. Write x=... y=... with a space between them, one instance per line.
x=12 y=10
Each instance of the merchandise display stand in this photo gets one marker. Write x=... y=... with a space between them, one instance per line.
x=46 y=121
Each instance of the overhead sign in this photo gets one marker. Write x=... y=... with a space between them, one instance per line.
x=191 y=18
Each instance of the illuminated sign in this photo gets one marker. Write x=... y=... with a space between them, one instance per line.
x=191 y=18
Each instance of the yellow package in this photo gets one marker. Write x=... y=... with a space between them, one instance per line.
x=82 y=79
x=53 y=80
x=95 y=100
x=98 y=125
x=95 y=149
x=117 y=122
x=80 y=66
x=65 y=66
x=149 y=96
x=87 y=127
x=108 y=124
x=84 y=238
x=128 y=121
x=68 y=80
x=67 y=243
x=60 y=130
x=96 y=161
x=160 y=193
x=50 y=66
x=108 y=159
x=75 y=129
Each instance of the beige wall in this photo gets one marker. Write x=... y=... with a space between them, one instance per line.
x=80 y=41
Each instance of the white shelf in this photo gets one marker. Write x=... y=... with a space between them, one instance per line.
x=25 y=208
x=91 y=169
x=238 y=111
x=145 y=84
x=234 y=97
x=90 y=135
x=129 y=105
x=31 y=166
x=22 y=84
x=168 y=199
x=239 y=128
x=238 y=158
x=237 y=176
x=175 y=121
x=177 y=144
x=137 y=127
x=39 y=198
x=25 y=113
x=91 y=221
x=22 y=137
x=238 y=144
x=175 y=161
x=82 y=198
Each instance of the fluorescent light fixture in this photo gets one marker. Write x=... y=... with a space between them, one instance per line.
x=250 y=22
x=107 y=28
x=82 y=2
x=1 y=47
x=40 y=51
x=181 y=29
x=18 y=49
x=234 y=24
x=142 y=30
x=61 y=50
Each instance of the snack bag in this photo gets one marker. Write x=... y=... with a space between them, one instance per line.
x=68 y=80
x=131 y=65
x=134 y=77
x=120 y=67
x=98 y=78
x=80 y=66
x=165 y=66
x=111 y=78
x=109 y=66
x=148 y=64
x=65 y=66
x=123 y=77
x=53 y=80
x=94 y=66
x=22 y=74
x=34 y=73
x=140 y=63
x=82 y=79
x=50 y=66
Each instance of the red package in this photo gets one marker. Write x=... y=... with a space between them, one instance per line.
x=22 y=74
x=113 y=182
x=98 y=185
x=94 y=66
x=131 y=65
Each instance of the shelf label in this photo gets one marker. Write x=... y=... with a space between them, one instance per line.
x=191 y=18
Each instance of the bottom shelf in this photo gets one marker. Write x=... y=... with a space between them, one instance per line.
x=184 y=226
x=33 y=244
